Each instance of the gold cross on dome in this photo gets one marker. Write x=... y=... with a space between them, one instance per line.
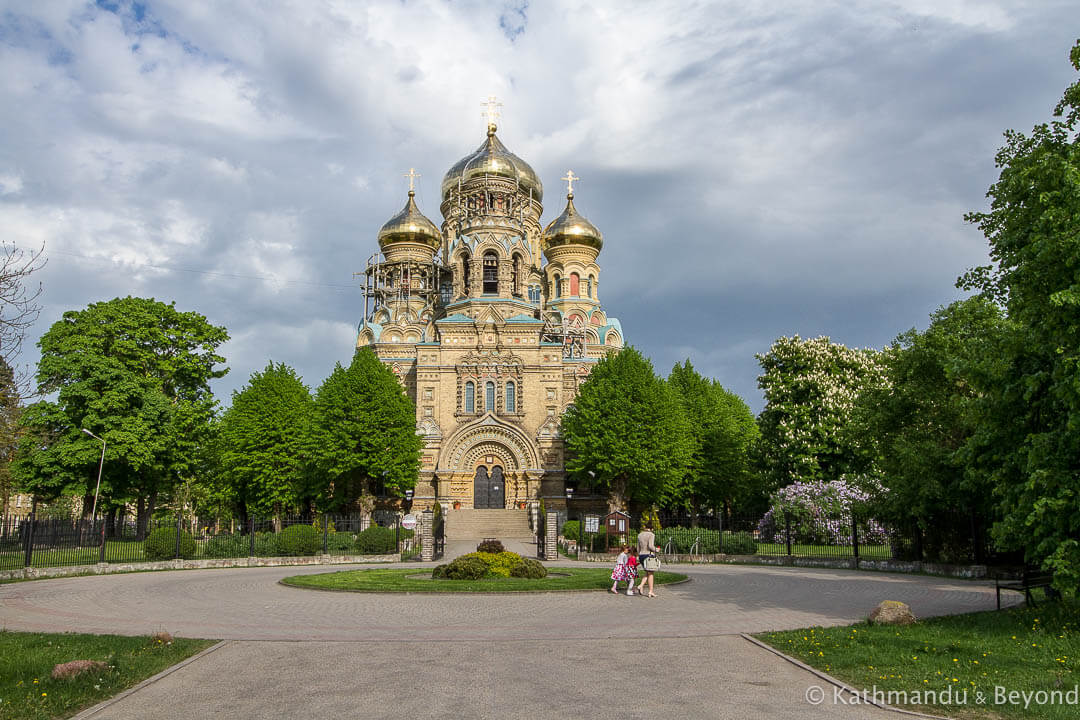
x=491 y=109
x=412 y=175
x=570 y=178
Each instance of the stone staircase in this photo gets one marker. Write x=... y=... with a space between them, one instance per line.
x=499 y=524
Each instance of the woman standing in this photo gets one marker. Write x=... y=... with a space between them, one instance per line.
x=646 y=547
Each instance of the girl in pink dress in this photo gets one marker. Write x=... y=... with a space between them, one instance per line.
x=620 y=572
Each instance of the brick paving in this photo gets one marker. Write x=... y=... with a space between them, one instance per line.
x=295 y=652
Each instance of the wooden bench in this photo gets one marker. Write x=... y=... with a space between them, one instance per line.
x=1030 y=578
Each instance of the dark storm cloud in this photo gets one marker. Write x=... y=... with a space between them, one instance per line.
x=756 y=170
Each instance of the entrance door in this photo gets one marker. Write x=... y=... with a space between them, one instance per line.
x=489 y=490
x=480 y=488
x=496 y=489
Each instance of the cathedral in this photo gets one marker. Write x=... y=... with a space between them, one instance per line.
x=491 y=323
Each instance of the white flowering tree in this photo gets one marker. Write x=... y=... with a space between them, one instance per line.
x=810 y=388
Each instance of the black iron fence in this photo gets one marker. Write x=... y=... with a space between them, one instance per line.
x=55 y=542
x=794 y=534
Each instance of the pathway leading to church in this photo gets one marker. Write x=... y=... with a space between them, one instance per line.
x=489 y=653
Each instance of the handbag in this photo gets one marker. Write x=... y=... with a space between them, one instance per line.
x=652 y=563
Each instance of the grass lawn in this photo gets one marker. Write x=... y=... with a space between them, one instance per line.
x=1021 y=650
x=27 y=690
x=419 y=580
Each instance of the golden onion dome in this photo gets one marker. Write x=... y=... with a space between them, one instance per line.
x=492 y=158
x=570 y=228
x=410 y=225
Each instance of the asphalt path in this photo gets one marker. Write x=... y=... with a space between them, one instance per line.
x=303 y=652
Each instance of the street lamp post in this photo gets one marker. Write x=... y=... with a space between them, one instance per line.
x=101 y=465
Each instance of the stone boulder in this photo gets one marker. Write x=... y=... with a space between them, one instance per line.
x=891 y=612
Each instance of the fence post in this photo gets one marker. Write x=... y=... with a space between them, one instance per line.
x=551 y=536
x=855 y=539
x=101 y=553
x=720 y=533
x=580 y=532
x=325 y=533
x=397 y=531
x=179 y=524
x=787 y=532
x=31 y=520
x=427 y=536
x=251 y=536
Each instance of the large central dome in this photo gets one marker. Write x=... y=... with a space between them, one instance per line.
x=492 y=158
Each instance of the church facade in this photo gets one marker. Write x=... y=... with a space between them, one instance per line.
x=491 y=322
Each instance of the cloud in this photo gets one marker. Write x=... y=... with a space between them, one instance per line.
x=756 y=170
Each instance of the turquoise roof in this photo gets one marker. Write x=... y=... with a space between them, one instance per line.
x=524 y=319
x=457 y=317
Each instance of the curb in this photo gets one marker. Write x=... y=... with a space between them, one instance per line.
x=836 y=683
x=90 y=712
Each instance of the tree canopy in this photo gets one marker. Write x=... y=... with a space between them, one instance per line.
x=362 y=433
x=628 y=429
x=135 y=372
x=810 y=388
x=260 y=442
x=720 y=429
x=1031 y=430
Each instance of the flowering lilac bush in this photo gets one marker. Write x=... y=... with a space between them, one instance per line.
x=820 y=514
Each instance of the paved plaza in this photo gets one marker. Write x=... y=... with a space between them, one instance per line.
x=294 y=652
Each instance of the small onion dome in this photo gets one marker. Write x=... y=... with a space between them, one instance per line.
x=410 y=225
x=570 y=228
x=492 y=158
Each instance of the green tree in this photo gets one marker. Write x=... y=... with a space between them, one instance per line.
x=924 y=422
x=720 y=429
x=810 y=388
x=362 y=433
x=1031 y=439
x=628 y=429
x=261 y=442
x=136 y=372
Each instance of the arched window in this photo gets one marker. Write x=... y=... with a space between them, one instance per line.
x=575 y=285
x=515 y=276
x=465 y=262
x=491 y=273
x=592 y=287
x=489 y=396
x=558 y=287
x=511 y=399
x=470 y=397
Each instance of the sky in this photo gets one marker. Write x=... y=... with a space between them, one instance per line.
x=757 y=169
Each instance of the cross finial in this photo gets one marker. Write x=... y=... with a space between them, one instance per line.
x=412 y=175
x=491 y=109
x=570 y=178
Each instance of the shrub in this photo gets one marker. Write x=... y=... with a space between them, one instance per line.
x=571 y=529
x=820 y=514
x=490 y=546
x=341 y=543
x=466 y=567
x=739 y=543
x=227 y=546
x=500 y=564
x=299 y=540
x=377 y=540
x=266 y=544
x=161 y=544
x=439 y=573
x=529 y=568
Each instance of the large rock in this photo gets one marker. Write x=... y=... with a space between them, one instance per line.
x=891 y=612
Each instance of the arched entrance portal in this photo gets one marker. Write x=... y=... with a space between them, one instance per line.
x=489 y=488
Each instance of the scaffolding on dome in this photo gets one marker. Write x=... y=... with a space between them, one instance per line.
x=402 y=281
